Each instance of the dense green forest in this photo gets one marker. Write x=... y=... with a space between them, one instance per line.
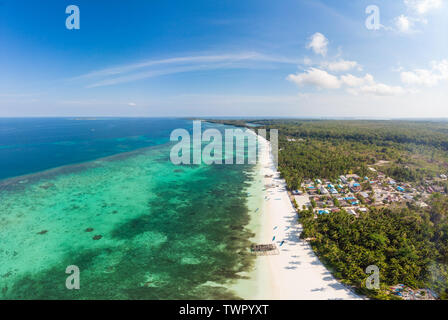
x=327 y=149
x=409 y=244
x=415 y=150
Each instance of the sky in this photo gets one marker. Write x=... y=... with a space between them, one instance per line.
x=251 y=58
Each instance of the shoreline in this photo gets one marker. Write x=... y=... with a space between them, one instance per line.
x=296 y=273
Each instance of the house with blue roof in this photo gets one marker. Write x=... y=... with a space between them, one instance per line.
x=355 y=187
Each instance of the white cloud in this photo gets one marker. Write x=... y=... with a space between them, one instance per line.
x=184 y=60
x=378 y=89
x=353 y=81
x=354 y=85
x=156 y=68
x=132 y=104
x=367 y=85
x=403 y=24
x=341 y=65
x=417 y=9
x=318 y=43
x=307 y=61
x=315 y=77
x=423 y=6
x=427 y=77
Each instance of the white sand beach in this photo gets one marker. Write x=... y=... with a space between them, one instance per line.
x=296 y=273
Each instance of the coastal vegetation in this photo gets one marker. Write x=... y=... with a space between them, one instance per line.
x=408 y=243
x=408 y=246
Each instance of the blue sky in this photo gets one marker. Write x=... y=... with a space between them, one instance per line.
x=301 y=58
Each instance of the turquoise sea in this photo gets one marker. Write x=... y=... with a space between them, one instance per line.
x=103 y=195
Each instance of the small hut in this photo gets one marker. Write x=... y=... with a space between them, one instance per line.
x=264 y=249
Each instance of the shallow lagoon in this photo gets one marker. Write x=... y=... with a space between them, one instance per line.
x=160 y=231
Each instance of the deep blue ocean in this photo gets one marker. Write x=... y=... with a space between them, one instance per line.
x=29 y=145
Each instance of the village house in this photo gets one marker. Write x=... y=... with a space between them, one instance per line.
x=355 y=187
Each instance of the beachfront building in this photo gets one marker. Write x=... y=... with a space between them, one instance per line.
x=364 y=194
x=355 y=187
x=407 y=293
x=323 y=190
